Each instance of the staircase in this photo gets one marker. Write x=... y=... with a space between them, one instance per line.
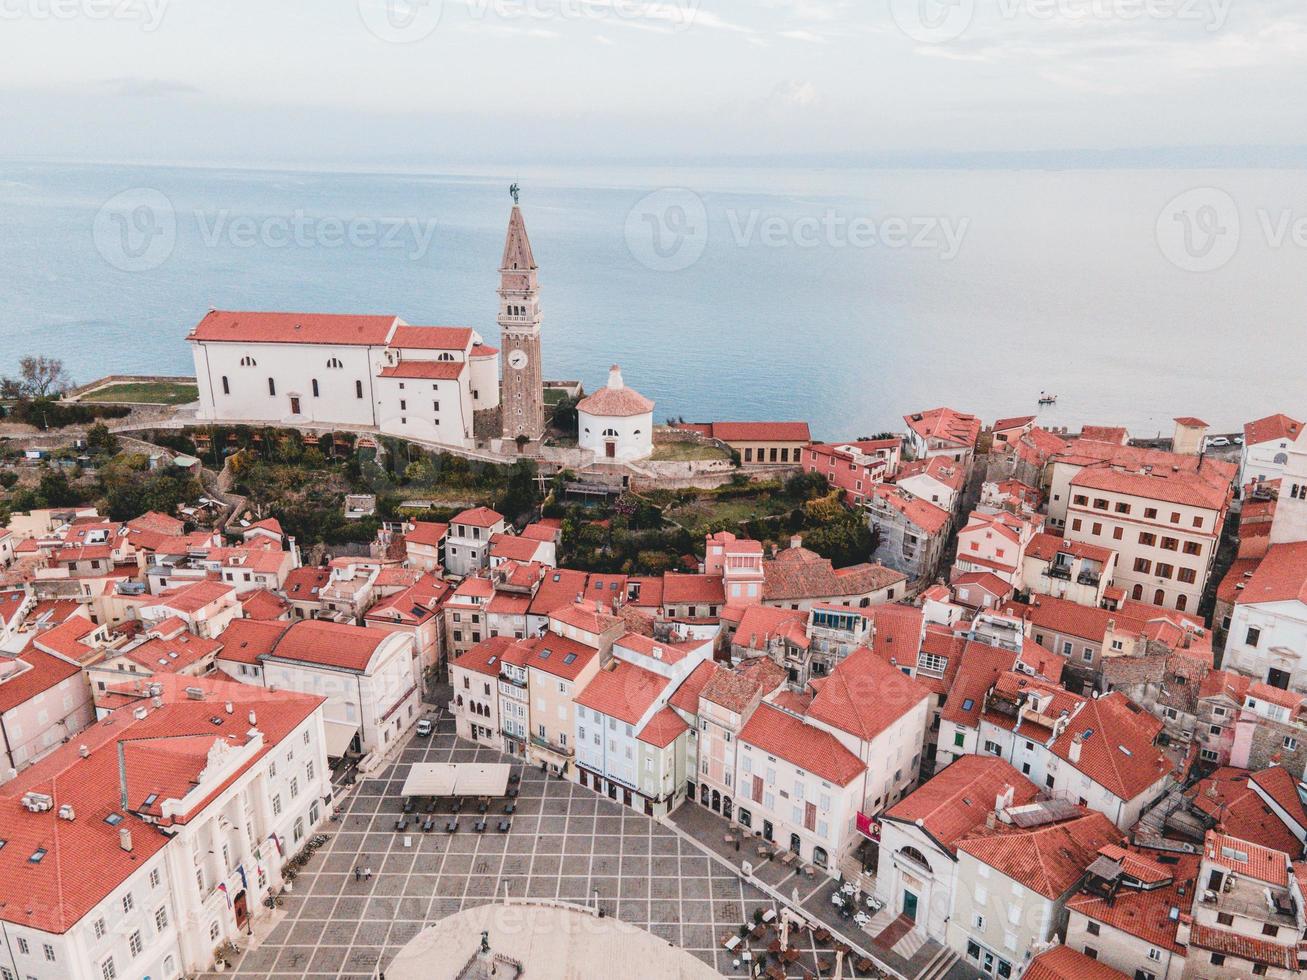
x=938 y=965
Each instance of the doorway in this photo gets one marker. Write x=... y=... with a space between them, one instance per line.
x=294 y=404
x=240 y=907
x=610 y=449
x=910 y=905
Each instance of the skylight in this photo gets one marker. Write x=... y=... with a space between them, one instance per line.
x=37 y=855
x=569 y=658
x=114 y=819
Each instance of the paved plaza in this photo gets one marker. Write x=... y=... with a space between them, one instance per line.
x=566 y=842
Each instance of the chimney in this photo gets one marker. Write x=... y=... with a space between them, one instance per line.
x=124 y=838
x=229 y=708
x=796 y=541
x=83 y=751
x=253 y=720
x=1074 y=752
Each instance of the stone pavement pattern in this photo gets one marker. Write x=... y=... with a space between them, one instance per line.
x=566 y=842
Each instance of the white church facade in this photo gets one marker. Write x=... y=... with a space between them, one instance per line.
x=435 y=384
x=616 y=422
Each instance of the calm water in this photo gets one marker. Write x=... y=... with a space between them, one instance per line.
x=801 y=300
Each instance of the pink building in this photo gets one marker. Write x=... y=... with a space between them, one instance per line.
x=44 y=701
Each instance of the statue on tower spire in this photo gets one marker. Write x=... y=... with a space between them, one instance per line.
x=513 y=190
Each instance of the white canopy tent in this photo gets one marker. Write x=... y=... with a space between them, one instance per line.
x=456 y=779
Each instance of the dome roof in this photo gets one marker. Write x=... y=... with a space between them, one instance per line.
x=615 y=400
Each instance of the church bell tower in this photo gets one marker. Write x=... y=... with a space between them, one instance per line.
x=523 y=395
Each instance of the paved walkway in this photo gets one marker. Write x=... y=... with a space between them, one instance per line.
x=811 y=894
x=566 y=842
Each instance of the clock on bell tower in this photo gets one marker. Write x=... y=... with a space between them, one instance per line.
x=523 y=396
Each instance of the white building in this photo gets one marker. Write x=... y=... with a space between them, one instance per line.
x=616 y=422
x=917 y=870
x=1265 y=449
x=1267 y=636
x=322 y=369
x=369 y=677
x=186 y=805
x=467 y=543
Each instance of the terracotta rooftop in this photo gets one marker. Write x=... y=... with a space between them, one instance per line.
x=810 y=748
x=246 y=640
x=864 y=696
x=1049 y=860
x=1236 y=944
x=945 y=425
x=1281 y=576
x=615 y=400
x=958 y=798
x=798 y=573
x=293 y=328
x=316 y=641
x=733 y=689
x=478 y=517
x=425 y=370
x=559 y=656
x=426 y=533
x=1065 y=963
x=1145 y=914
x=925 y=515
x=29 y=674
x=1273 y=428
x=1239 y=810
x=1116 y=748
x=431 y=338
x=623 y=691
x=686 y=697
x=663 y=728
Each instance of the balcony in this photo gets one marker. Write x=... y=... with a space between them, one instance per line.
x=1062 y=572
x=1089 y=578
x=548 y=746
x=509 y=679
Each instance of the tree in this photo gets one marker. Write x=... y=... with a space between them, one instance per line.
x=564 y=417
x=38 y=377
x=100 y=440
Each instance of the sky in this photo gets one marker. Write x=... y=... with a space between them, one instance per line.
x=400 y=83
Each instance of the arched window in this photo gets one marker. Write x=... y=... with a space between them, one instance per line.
x=358 y=389
x=916 y=857
x=1137 y=593
x=1159 y=597
x=1281 y=459
x=334 y=362
x=610 y=433
x=1181 y=602
x=315 y=387
x=248 y=361
x=446 y=356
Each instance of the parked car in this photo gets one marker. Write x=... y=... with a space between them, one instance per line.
x=425 y=727
x=1218 y=441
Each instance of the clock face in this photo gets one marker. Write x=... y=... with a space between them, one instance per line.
x=518 y=359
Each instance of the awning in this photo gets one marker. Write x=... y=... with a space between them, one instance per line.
x=339 y=734
x=456 y=779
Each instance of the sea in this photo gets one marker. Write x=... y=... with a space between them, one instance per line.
x=845 y=297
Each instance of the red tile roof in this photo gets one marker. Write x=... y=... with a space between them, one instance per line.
x=1049 y=860
x=30 y=673
x=735 y=689
x=1065 y=963
x=1179 y=488
x=946 y=425
x=478 y=517
x=66 y=638
x=171 y=656
x=511 y=546
x=426 y=533
x=1115 y=434
x=922 y=513
x=1239 y=811
x=1277 y=785
x=864 y=696
x=959 y=798
x=980 y=668
x=1117 y=749
x=264 y=604
x=306 y=582
x=687 y=695
x=293 y=328
x=425 y=370
x=558 y=655
x=1273 y=428
x=1145 y=914
x=431 y=338
x=1281 y=576
x=939 y=468
x=245 y=640
x=680 y=588
x=164 y=752
x=316 y=641
x=623 y=691
x=1243 y=947
x=484 y=657
x=1247 y=858
x=620 y=402
x=761 y=624
x=192 y=598
x=779 y=733
x=663 y=728
x=1045 y=547
x=754 y=431
x=587 y=616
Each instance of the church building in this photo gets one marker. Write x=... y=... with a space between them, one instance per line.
x=434 y=384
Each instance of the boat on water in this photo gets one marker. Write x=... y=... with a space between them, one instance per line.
x=1046 y=399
